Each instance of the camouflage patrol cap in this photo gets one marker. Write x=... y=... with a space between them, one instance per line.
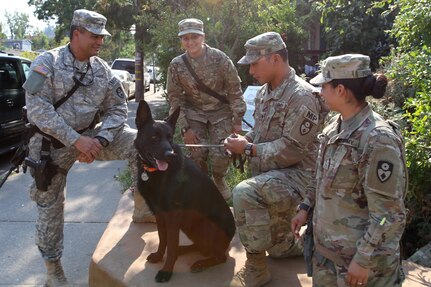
x=91 y=21
x=348 y=66
x=263 y=44
x=190 y=26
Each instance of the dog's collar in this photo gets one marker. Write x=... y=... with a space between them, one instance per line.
x=148 y=168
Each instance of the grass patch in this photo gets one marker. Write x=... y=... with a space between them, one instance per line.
x=125 y=179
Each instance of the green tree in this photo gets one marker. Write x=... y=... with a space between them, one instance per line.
x=52 y=9
x=2 y=34
x=229 y=24
x=18 y=24
x=355 y=27
x=41 y=41
x=410 y=66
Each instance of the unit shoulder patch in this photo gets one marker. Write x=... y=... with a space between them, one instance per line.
x=384 y=170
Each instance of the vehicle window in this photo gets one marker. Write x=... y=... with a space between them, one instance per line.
x=26 y=68
x=128 y=66
x=9 y=75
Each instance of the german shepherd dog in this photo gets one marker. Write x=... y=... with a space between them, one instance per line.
x=181 y=196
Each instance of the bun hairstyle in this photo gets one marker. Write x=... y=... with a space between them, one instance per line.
x=372 y=85
x=375 y=85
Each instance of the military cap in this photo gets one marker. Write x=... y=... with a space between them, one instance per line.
x=263 y=44
x=190 y=26
x=91 y=21
x=348 y=66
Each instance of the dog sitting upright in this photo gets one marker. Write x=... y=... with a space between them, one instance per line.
x=181 y=197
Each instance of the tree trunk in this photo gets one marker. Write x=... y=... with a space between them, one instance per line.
x=139 y=57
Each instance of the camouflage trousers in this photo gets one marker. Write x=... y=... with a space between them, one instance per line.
x=212 y=134
x=264 y=206
x=50 y=203
x=328 y=274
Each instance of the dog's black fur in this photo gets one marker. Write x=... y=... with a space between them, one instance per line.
x=182 y=197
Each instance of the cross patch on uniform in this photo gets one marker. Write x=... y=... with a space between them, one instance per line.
x=305 y=127
x=384 y=170
x=120 y=92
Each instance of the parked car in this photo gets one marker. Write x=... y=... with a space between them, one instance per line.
x=13 y=73
x=127 y=82
x=129 y=66
x=154 y=76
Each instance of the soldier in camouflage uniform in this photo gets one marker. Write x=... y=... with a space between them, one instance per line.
x=204 y=118
x=282 y=149
x=52 y=76
x=359 y=214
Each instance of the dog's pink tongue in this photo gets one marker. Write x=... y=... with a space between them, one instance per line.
x=161 y=165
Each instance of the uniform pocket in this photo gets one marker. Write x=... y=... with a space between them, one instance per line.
x=343 y=169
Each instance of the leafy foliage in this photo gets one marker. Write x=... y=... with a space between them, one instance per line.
x=410 y=65
x=18 y=24
x=229 y=24
x=355 y=27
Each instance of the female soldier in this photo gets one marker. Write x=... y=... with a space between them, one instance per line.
x=359 y=213
x=205 y=117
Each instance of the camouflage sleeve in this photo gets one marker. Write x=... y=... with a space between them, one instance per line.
x=299 y=129
x=385 y=179
x=232 y=84
x=114 y=107
x=175 y=95
x=39 y=98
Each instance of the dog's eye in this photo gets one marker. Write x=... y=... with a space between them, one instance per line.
x=154 y=138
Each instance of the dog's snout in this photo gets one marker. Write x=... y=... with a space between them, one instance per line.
x=169 y=154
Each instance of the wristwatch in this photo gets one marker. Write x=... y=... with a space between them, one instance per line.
x=104 y=142
x=305 y=207
x=248 y=150
x=184 y=130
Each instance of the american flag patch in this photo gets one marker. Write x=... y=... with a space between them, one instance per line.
x=41 y=69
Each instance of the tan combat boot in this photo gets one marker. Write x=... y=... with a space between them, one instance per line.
x=142 y=212
x=222 y=186
x=255 y=272
x=55 y=274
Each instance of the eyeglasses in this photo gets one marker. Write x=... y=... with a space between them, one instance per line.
x=78 y=76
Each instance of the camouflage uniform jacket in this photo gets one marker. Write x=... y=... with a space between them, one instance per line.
x=216 y=71
x=103 y=93
x=361 y=180
x=287 y=121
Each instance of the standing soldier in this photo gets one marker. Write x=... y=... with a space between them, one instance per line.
x=205 y=84
x=359 y=214
x=282 y=148
x=65 y=90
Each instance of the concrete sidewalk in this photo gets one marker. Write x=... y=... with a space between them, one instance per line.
x=91 y=200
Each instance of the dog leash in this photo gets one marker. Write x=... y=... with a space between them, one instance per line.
x=237 y=159
x=202 y=145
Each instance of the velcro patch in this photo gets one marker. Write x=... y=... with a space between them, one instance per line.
x=384 y=170
x=120 y=92
x=114 y=81
x=41 y=69
x=305 y=127
x=311 y=116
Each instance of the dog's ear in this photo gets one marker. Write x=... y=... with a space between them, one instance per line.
x=143 y=115
x=172 y=119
